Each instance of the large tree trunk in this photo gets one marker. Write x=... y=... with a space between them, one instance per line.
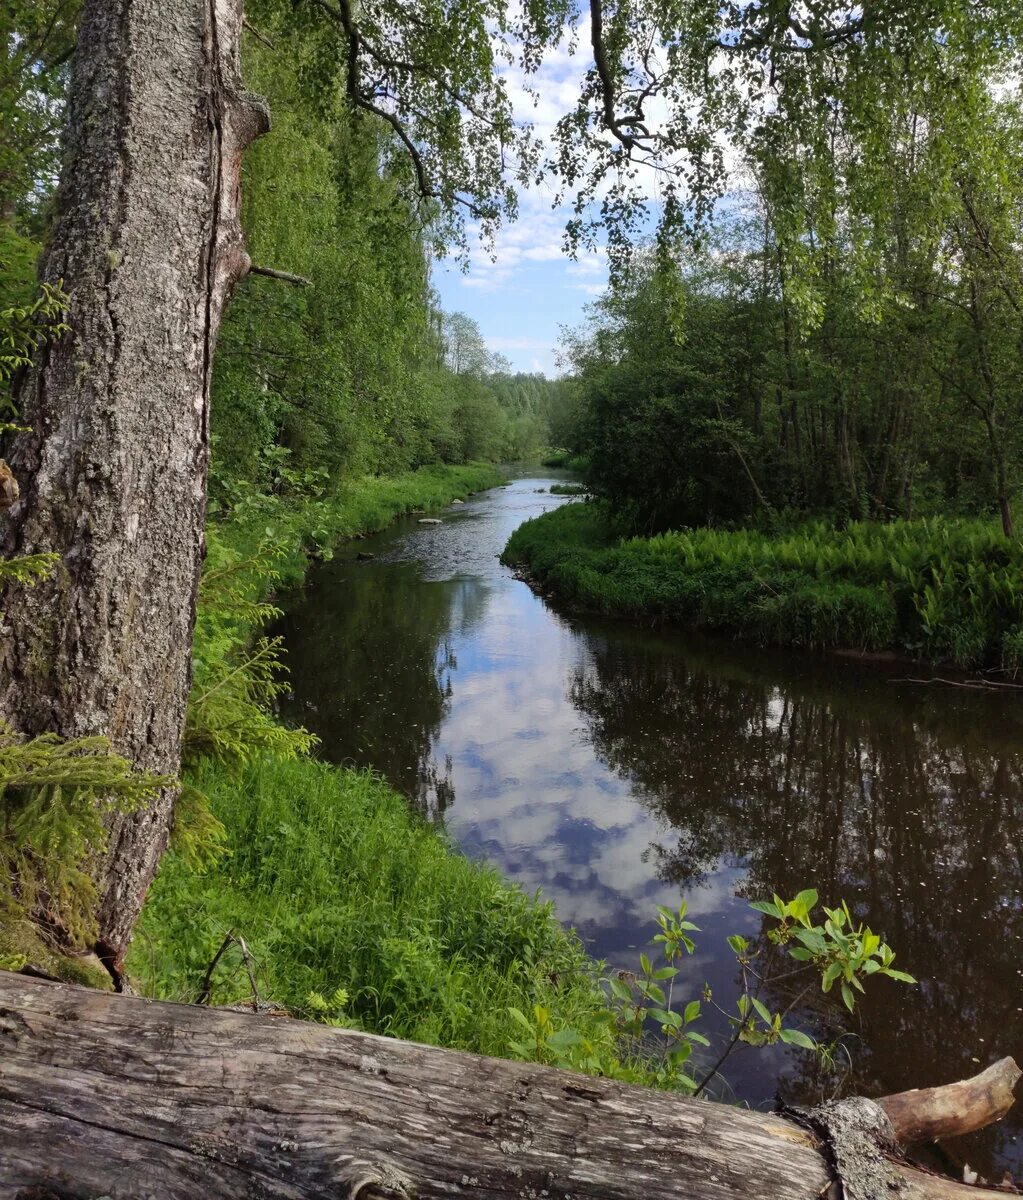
x=116 y=1096
x=148 y=243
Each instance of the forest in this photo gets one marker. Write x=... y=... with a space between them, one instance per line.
x=792 y=417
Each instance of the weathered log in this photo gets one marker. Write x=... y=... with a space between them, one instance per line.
x=929 y=1114
x=104 y=1095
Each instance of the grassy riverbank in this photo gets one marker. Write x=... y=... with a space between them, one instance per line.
x=944 y=591
x=300 y=524
x=356 y=909
x=353 y=908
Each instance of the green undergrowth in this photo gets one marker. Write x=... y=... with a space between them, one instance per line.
x=943 y=591
x=354 y=907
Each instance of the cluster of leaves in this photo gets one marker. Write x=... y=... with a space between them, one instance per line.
x=837 y=950
x=237 y=675
x=25 y=327
x=843 y=951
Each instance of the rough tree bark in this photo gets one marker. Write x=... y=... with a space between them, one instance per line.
x=148 y=243
x=121 y=1097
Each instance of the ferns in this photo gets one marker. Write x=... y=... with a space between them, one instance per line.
x=54 y=795
x=943 y=591
x=235 y=682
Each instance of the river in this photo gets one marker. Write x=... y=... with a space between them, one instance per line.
x=618 y=768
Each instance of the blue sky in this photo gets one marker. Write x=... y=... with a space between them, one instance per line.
x=521 y=302
x=531 y=288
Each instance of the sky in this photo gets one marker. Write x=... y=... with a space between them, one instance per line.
x=523 y=295
x=521 y=299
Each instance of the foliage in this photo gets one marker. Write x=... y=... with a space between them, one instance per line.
x=837 y=950
x=706 y=397
x=649 y=105
x=236 y=681
x=941 y=590
x=25 y=327
x=358 y=373
x=37 y=37
x=53 y=797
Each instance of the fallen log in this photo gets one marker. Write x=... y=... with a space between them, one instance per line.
x=119 y=1097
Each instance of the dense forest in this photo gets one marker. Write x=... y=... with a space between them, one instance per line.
x=795 y=411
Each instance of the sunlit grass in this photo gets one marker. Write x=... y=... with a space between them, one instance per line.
x=335 y=883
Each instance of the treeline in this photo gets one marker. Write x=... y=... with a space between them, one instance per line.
x=868 y=367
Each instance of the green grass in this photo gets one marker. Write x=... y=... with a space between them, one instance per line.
x=944 y=591
x=335 y=883
x=569 y=489
x=566 y=459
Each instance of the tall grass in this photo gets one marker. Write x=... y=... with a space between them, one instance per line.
x=946 y=591
x=336 y=884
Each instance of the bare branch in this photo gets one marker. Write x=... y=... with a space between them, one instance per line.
x=260 y=37
x=284 y=276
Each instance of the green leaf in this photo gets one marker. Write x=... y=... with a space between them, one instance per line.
x=795 y=1037
x=766 y=907
x=901 y=976
x=762 y=1010
x=516 y=1015
x=620 y=989
x=564 y=1039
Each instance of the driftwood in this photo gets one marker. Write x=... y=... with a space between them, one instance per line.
x=114 y=1096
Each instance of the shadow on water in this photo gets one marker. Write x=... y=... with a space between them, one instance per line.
x=619 y=768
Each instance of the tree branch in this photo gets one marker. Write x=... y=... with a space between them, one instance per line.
x=284 y=276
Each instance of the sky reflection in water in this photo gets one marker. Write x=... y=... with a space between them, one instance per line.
x=618 y=768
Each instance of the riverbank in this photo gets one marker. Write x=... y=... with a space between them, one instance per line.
x=353 y=909
x=939 y=591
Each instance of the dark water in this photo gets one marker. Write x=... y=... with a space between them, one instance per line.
x=618 y=768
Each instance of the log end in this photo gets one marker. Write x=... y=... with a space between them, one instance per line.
x=929 y=1114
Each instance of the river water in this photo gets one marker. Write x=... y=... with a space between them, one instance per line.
x=618 y=768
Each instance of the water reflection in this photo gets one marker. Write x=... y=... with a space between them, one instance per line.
x=619 y=768
x=906 y=802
